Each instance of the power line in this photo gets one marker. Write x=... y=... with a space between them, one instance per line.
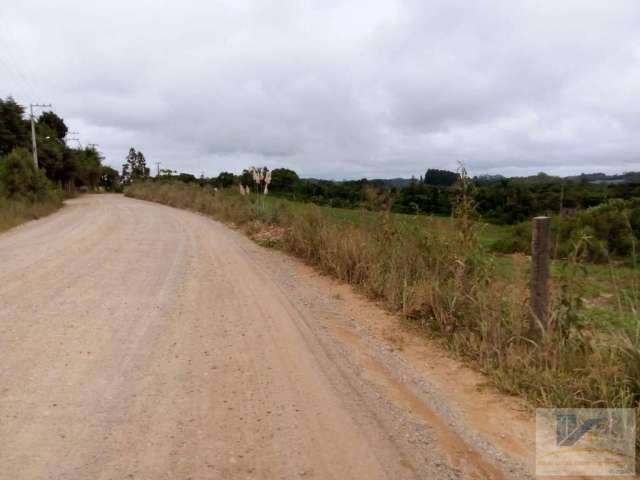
x=11 y=73
x=73 y=139
x=15 y=65
x=10 y=62
x=19 y=78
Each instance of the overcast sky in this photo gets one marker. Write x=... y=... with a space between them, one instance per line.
x=337 y=89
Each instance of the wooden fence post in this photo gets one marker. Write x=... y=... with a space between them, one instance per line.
x=540 y=263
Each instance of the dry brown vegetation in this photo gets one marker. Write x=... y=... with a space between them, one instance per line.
x=15 y=212
x=445 y=281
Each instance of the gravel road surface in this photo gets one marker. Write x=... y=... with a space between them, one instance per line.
x=139 y=341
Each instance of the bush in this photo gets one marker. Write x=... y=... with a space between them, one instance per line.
x=19 y=178
x=607 y=230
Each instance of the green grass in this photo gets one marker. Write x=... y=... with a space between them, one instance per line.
x=488 y=233
x=598 y=281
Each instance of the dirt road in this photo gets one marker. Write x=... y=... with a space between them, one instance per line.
x=139 y=341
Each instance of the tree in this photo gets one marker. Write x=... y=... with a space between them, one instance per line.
x=136 y=166
x=225 y=179
x=14 y=129
x=88 y=168
x=246 y=179
x=187 y=178
x=126 y=173
x=20 y=178
x=109 y=179
x=65 y=166
x=55 y=124
x=440 y=178
x=51 y=151
x=283 y=180
x=142 y=169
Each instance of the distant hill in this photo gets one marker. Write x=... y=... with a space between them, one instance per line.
x=603 y=178
x=487 y=179
x=387 y=182
x=540 y=178
x=396 y=182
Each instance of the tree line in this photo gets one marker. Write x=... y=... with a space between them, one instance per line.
x=499 y=200
x=61 y=166
x=606 y=216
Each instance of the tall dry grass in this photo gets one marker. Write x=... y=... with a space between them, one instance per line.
x=449 y=285
x=15 y=212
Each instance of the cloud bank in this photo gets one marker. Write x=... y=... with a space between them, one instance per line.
x=338 y=89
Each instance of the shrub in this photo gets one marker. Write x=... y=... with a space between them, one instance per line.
x=609 y=230
x=19 y=179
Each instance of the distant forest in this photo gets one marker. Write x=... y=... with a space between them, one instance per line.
x=499 y=200
x=595 y=215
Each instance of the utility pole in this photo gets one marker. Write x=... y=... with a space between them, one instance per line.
x=33 y=130
x=158 y=168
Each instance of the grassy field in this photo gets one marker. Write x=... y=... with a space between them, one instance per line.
x=598 y=282
x=488 y=233
x=438 y=273
x=15 y=212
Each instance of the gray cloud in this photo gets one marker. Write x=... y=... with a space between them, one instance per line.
x=338 y=88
